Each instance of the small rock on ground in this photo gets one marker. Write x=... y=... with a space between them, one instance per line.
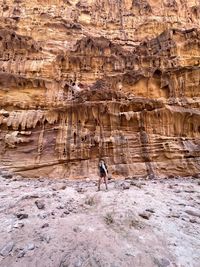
x=40 y=204
x=5 y=251
x=22 y=216
x=145 y=215
x=193 y=213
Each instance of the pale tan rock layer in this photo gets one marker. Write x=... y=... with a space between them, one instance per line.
x=82 y=80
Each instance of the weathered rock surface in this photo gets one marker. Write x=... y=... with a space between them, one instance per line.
x=80 y=80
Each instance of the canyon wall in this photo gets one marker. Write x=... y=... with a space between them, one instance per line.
x=113 y=79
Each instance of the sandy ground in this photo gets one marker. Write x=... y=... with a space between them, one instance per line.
x=54 y=223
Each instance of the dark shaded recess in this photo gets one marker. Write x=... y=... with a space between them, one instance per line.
x=131 y=78
x=190 y=156
x=75 y=26
x=195 y=33
x=83 y=7
x=8 y=80
x=45 y=15
x=99 y=84
x=85 y=11
x=157 y=73
x=6 y=115
x=11 y=40
x=63 y=25
x=163 y=43
x=16 y=11
x=75 y=140
x=66 y=87
x=60 y=58
x=163 y=82
x=142 y=5
x=192 y=127
x=67 y=2
x=166 y=88
x=5 y=8
x=172 y=4
x=190 y=30
x=11 y=80
x=98 y=95
x=37 y=83
x=16 y=18
x=196 y=10
x=139 y=104
x=98 y=43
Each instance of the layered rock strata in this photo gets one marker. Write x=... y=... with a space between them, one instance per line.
x=83 y=80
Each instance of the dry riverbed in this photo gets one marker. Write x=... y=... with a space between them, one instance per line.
x=57 y=223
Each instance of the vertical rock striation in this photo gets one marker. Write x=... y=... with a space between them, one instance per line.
x=82 y=80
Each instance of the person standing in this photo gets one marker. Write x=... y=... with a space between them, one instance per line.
x=103 y=173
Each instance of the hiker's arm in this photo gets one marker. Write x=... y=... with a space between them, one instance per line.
x=106 y=168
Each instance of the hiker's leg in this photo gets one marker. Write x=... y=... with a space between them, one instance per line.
x=106 y=181
x=99 y=183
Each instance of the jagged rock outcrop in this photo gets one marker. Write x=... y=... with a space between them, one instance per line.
x=82 y=80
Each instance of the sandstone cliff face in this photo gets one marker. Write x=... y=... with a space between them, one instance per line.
x=82 y=80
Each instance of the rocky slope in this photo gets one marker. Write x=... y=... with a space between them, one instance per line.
x=117 y=79
x=46 y=223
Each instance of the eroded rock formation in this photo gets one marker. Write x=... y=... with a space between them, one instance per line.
x=81 y=80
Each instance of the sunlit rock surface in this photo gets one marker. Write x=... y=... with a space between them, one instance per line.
x=83 y=80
